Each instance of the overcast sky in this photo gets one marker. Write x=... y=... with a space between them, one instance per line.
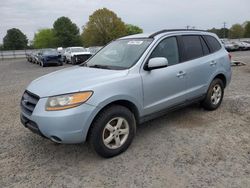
x=150 y=15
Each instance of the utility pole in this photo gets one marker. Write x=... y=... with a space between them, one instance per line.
x=224 y=30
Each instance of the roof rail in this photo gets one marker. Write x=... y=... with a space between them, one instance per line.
x=172 y=30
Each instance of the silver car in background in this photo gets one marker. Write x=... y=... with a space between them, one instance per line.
x=129 y=81
x=76 y=55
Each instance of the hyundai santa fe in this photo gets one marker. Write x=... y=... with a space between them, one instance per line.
x=131 y=80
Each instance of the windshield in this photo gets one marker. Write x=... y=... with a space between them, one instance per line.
x=50 y=52
x=78 y=50
x=120 y=54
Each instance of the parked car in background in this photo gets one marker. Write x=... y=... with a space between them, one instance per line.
x=61 y=52
x=230 y=46
x=49 y=57
x=247 y=41
x=242 y=45
x=129 y=81
x=28 y=57
x=34 y=57
x=94 y=49
x=247 y=45
x=76 y=55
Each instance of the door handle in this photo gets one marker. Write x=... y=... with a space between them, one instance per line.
x=212 y=63
x=181 y=74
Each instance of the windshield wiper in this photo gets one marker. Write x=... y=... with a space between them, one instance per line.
x=99 y=66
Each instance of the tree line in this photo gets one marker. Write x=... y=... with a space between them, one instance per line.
x=103 y=26
x=235 y=32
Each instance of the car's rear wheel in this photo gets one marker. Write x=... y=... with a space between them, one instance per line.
x=214 y=95
x=112 y=131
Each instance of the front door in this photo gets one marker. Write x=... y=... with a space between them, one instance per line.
x=164 y=87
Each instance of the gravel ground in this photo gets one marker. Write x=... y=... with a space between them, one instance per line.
x=187 y=148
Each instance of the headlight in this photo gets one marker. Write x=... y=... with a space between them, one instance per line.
x=63 y=102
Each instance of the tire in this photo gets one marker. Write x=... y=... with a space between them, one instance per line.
x=214 y=95
x=64 y=59
x=42 y=64
x=73 y=61
x=101 y=130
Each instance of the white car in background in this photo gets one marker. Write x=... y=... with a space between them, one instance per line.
x=230 y=46
x=241 y=45
x=76 y=55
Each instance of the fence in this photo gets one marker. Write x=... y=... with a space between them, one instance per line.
x=14 y=54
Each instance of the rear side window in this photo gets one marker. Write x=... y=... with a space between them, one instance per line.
x=192 y=47
x=204 y=47
x=167 y=48
x=213 y=43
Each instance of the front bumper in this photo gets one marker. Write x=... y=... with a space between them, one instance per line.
x=32 y=126
x=64 y=126
x=52 y=61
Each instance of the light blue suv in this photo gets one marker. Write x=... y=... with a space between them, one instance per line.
x=131 y=80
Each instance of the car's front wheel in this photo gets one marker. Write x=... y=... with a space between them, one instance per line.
x=42 y=63
x=73 y=60
x=112 y=131
x=64 y=59
x=214 y=95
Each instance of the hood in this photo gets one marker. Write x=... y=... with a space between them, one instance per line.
x=72 y=79
x=79 y=53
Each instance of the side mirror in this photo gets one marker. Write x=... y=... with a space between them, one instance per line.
x=157 y=63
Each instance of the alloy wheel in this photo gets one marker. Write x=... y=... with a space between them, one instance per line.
x=216 y=94
x=115 y=133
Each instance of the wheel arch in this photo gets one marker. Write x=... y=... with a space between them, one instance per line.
x=222 y=77
x=123 y=102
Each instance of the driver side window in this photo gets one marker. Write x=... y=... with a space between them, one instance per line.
x=167 y=48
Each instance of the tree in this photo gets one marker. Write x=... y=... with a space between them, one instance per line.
x=15 y=40
x=247 y=30
x=133 y=29
x=103 y=26
x=45 y=38
x=66 y=32
x=222 y=33
x=236 y=31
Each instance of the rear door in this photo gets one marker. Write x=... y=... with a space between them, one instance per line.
x=201 y=64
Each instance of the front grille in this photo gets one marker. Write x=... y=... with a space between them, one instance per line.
x=28 y=102
x=82 y=58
